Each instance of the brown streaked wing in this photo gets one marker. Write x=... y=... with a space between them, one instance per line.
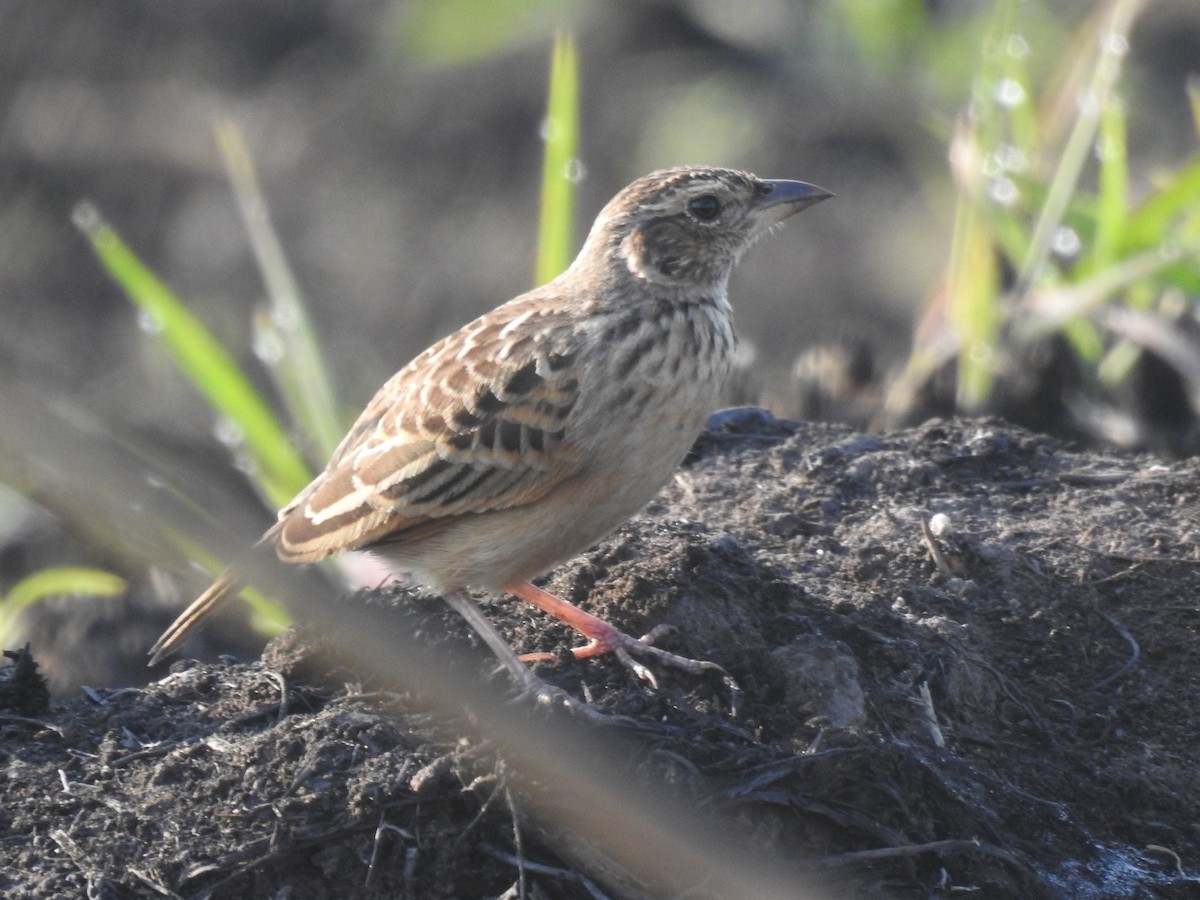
x=475 y=423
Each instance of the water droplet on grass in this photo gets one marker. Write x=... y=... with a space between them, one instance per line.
x=1016 y=46
x=228 y=432
x=1114 y=43
x=268 y=346
x=149 y=322
x=1065 y=242
x=1009 y=93
x=1003 y=191
x=576 y=171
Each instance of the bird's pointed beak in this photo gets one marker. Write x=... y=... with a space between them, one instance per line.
x=782 y=199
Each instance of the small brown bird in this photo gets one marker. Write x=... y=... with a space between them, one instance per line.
x=527 y=435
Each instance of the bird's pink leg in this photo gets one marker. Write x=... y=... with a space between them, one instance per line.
x=602 y=636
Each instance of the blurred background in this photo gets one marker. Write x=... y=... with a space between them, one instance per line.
x=399 y=146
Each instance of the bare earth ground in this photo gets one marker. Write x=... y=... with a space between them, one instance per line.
x=967 y=661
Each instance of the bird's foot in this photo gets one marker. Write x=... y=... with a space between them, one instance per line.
x=527 y=681
x=604 y=637
x=548 y=696
x=626 y=647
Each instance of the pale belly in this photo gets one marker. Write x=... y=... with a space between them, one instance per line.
x=494 y=549
x=632 y=438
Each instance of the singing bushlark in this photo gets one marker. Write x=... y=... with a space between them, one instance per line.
x=527 y=435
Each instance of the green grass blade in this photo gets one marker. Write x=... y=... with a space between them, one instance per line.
x=885 y=31
x=1151 y=222
x=1112 y=42
x=455 y=32
x=975 y=308
x=1192 y=87
x=278 y=469
x=1112 y=208
x=285 y=339
x=1053 y=308
x=1014 y=91
x=74 y=581
x=989 y=117
x=555 y=232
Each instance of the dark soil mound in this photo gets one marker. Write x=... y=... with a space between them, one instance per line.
x=967 y=666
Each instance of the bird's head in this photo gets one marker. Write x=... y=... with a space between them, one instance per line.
x=686 y=227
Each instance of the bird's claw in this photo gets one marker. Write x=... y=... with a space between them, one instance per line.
x=627 y=646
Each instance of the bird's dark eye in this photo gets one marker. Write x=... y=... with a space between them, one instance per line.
x=704 y=208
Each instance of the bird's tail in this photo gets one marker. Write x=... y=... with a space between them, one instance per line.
x=226 y=586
